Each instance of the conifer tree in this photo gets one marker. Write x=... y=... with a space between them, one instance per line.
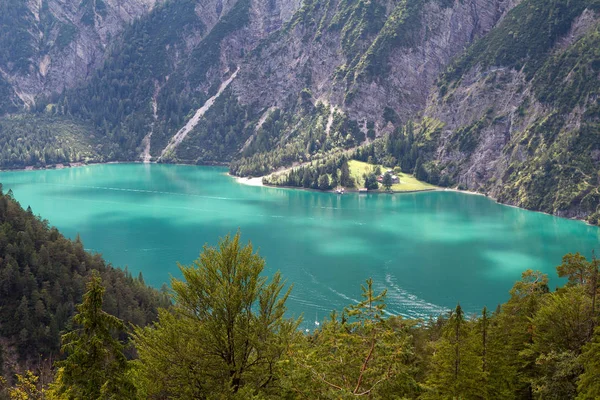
x=514 y=335
x=356 y=354
x=456 y=369
x=95 y=367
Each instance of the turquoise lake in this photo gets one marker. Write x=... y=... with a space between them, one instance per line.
x=430 y=250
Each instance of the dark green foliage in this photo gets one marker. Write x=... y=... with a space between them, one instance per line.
x=588 y=383
x=358 y=353
x=387 y=181
x=117 y=100
x=219 y=135
x=318 y=175
x=226 y=336
x=227 y=325
x=42 y=277
x=357 y=21
x=150 y=62
x=457 y=366
x=207 y=54
x=400 y=30
x=570 y=78
x=307 y=140
x=96 y=367
x=42 y=140
x=371 y=182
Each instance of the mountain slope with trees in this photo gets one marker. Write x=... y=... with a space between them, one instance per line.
x=502 y=94
x=42 y=277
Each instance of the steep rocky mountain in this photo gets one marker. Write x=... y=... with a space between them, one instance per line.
x=163 y=67
x=518 y=115
x=374 y=62
x=496 y=96
x=49 y=45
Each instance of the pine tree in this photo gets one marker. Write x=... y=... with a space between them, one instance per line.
x=387 y=181
x=95 y=367
x=456 y=369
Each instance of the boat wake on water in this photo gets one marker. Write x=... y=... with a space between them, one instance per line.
x=407 y=304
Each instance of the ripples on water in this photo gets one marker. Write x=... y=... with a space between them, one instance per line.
x=429 y=250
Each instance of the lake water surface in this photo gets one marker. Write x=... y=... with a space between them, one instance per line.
x=430 y=250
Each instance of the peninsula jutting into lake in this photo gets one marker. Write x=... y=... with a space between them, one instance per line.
x=429 y=250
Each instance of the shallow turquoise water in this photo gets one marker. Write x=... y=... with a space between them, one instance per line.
x=430 y=250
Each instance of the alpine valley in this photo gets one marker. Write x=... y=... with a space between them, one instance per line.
x=499 y=96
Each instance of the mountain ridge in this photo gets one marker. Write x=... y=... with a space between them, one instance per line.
x=477 y=78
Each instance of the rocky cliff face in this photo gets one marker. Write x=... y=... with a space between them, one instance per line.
x=376 y=62
x=62 y=42
x=503 y=94
x=320 y=58
x=527 y=133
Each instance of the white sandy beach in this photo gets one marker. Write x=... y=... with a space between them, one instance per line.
x=250 y=181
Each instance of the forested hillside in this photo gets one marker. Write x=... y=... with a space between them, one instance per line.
x=42 y=278
x=46 y=141
x=502 y=94
x=227 y=336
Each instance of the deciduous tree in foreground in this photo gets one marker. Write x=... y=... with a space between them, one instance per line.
x=226 y=335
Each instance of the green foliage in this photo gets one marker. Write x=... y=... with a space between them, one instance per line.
x=457 y=368
x=588 y=383
x=359 y=354
x=219 y=135
x=318 y=175
x=95 y=367
x=400 y=30
x=38 y=141
x=562 y=327
x=387 y=181
x=307 y=138
x=27 y=388
x=357 y=21
x=371 y=181
x=524 y=38
x=569 y=78
x=42 y=276
x=208 y=53
x=153 y=62
x=227 y=332
x=227 y=337
x=117 y=99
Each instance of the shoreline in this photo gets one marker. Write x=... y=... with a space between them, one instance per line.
x=257 y=182
x=52 y=167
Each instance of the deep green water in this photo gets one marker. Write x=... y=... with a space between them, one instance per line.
x=429 y=250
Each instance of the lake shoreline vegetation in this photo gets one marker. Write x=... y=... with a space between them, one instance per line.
x=250 y=181
x=223 y=333
x=404 y=150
